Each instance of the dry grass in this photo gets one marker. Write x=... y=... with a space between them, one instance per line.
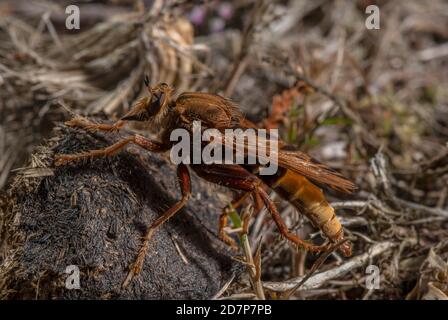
x=371 y=103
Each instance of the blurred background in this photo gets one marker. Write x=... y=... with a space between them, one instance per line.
x=372 y=103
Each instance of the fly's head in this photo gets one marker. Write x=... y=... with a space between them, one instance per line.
x=155 y=105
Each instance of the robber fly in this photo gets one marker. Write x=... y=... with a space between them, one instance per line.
x=295 y=180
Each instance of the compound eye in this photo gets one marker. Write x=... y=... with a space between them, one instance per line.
x=156 y=103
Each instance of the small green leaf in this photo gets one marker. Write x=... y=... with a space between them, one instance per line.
x=336 y=121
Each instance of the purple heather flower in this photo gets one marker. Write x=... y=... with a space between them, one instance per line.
x=225 y=10
x=197 y=15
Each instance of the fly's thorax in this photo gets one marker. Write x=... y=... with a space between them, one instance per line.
x=167 y=122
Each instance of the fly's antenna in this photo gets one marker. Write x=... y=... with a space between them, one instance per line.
x=146 y=80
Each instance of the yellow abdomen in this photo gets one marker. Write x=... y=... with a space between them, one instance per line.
x=310 y=200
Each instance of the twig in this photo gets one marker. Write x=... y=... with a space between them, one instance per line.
x=314 y=268
x=349 y=204
x=379 y=169
x=240 y=296
x=224 y=288
x=254 y=265
x=433 y=52
x=321 y=278
x=176 y=245
x=422 y=208
x=241 y=60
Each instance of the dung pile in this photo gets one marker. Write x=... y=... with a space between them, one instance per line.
x=93 y=215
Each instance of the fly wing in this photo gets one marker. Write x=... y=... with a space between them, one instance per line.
x=295 y=161
x=312 y=169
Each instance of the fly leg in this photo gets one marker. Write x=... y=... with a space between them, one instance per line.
x=86 y=124
x=183 y=177
x=236 y=177
x=283 y=229
x=62 y=159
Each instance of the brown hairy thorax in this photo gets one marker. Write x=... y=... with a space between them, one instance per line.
x=295 y=180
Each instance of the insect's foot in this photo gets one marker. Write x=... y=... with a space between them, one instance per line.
x=314 y=248
x=228 y=240
x=105 y=128
x=302 y=244
x=76 y=122
x=82 y=123
x=346 y=249
x=134 y=269
x=129 y=277
x=63 y=159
